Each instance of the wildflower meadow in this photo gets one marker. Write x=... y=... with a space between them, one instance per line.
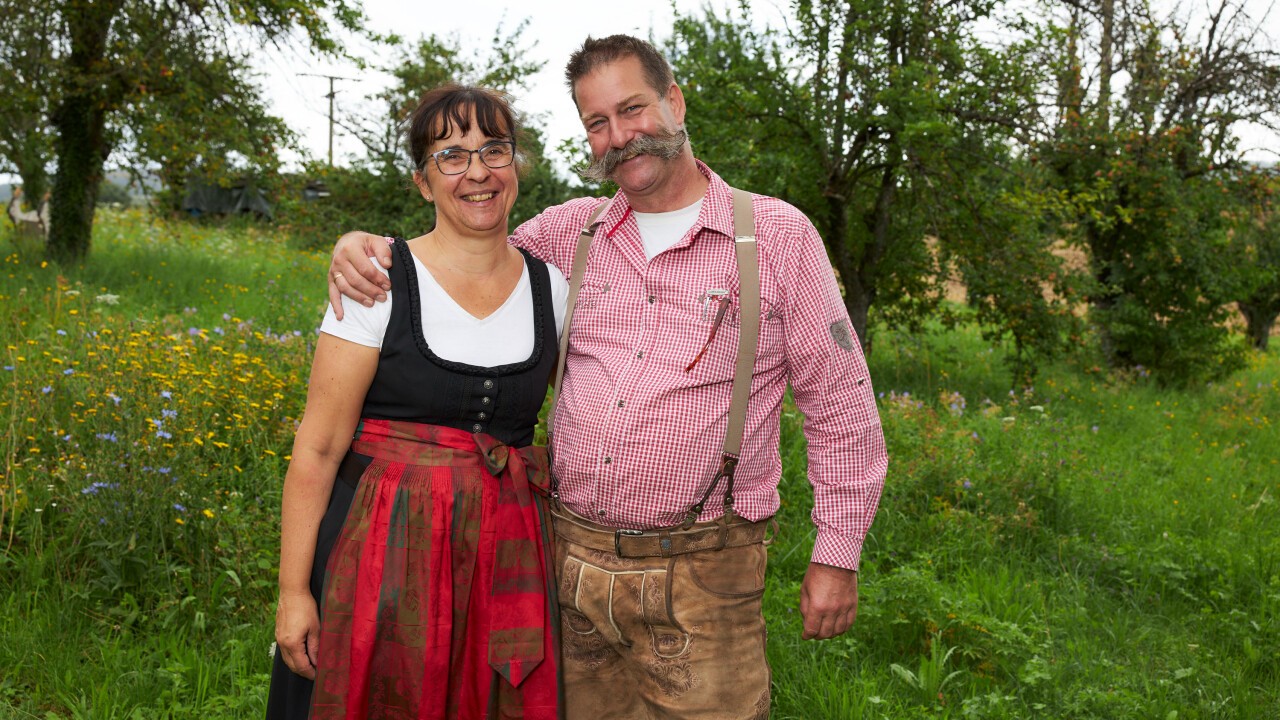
x=1095 y=546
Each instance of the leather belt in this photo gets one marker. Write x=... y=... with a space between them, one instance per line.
x=662 y=542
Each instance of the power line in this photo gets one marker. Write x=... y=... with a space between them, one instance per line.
x=331 y=95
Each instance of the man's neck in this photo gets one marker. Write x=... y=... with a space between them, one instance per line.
x=683 y=188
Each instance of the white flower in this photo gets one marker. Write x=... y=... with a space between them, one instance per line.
x=107 y=299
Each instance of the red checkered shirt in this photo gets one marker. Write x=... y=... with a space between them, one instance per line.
x=637 y=439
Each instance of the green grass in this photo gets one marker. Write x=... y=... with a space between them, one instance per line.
x=1095 y=547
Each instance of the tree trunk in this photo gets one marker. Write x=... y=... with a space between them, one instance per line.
x=81 y=150
x=81 y=145
x=1259 y=319
x=857 y=295
x=30 y=166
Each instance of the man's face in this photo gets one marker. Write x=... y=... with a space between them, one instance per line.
x=622 y=113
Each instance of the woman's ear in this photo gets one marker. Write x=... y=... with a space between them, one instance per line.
x=420 y=179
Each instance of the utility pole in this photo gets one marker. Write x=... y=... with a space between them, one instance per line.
x=331 y=95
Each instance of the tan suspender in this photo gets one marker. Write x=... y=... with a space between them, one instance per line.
x=575 y=285
x=748 y=337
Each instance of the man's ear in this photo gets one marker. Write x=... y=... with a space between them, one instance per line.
x=675 y=99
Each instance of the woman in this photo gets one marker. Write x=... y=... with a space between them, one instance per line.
x=432 y=552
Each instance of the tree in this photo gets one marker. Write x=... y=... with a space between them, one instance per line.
x=25 y=140
x=237 y=136
x=377 y=191
x=1141 y=163
x=887 y=122
x=108 y=61
x=1256 y=241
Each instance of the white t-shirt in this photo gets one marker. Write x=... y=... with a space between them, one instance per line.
x=504 y=337
x=662 y=230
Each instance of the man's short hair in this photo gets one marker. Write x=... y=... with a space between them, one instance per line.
x=596 y=53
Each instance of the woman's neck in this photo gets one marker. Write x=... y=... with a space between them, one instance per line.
x=465 y=254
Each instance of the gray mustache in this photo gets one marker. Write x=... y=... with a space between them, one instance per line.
x=665 y=145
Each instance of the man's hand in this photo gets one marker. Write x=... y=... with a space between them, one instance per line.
x=828 y=601
x=351 y=273
x=298 y=632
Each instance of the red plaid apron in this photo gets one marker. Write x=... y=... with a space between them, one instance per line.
x=437 y=602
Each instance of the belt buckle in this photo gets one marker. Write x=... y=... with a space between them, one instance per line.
x=617 y=539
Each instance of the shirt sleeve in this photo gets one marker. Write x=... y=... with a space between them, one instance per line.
x=552 y=235
x=832 y=387
x=361 y=325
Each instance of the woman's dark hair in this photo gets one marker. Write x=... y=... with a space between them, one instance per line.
x=452 y=106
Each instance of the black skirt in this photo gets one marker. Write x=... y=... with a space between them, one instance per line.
x=289 y=697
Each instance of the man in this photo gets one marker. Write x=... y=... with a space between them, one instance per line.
x=640 y=426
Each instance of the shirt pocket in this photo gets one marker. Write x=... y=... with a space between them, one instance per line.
x=593 y=294
x=718 y=361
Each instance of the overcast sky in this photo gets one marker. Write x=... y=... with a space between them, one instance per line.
x=555 y=29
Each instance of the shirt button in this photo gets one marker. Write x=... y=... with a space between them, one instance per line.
x=483 y=416
x=620 y=403
x=488 y=384
x=484 y=401
x=608 y=460
x=475 y=428
x=602 y=512
x=640 y=355
x=652 y=298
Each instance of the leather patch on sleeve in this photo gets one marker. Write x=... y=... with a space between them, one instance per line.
x=842 y=333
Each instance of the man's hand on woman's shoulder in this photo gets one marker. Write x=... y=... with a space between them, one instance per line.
x=351 y=273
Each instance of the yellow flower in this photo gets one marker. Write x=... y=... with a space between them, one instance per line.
x=208 y=513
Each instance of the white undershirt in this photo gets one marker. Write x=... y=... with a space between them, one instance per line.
x=660 y=231
x=504 y=337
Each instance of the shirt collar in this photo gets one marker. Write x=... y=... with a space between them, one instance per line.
x=716 y=213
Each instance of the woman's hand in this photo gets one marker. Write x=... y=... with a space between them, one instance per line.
x=351 y=273
x=298 y=632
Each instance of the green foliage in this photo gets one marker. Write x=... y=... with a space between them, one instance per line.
x=1255 y=237
x=26 y=142
x=888 y=123
x=1142 y=173
x=148 y=81
x=377 y=193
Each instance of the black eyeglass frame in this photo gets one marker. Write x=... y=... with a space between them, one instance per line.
x=478 y=151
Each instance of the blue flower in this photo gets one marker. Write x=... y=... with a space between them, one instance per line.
x=114 y=398
x=46 y=389
x=109 y=437
x=179 y=507
x=163 y=434
x=96 y=486
x=69 y=371
x=62 y=332
x=9 y=368
x=169 y=413
x=166 y=394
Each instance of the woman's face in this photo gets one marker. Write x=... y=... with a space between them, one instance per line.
x=477 y=200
